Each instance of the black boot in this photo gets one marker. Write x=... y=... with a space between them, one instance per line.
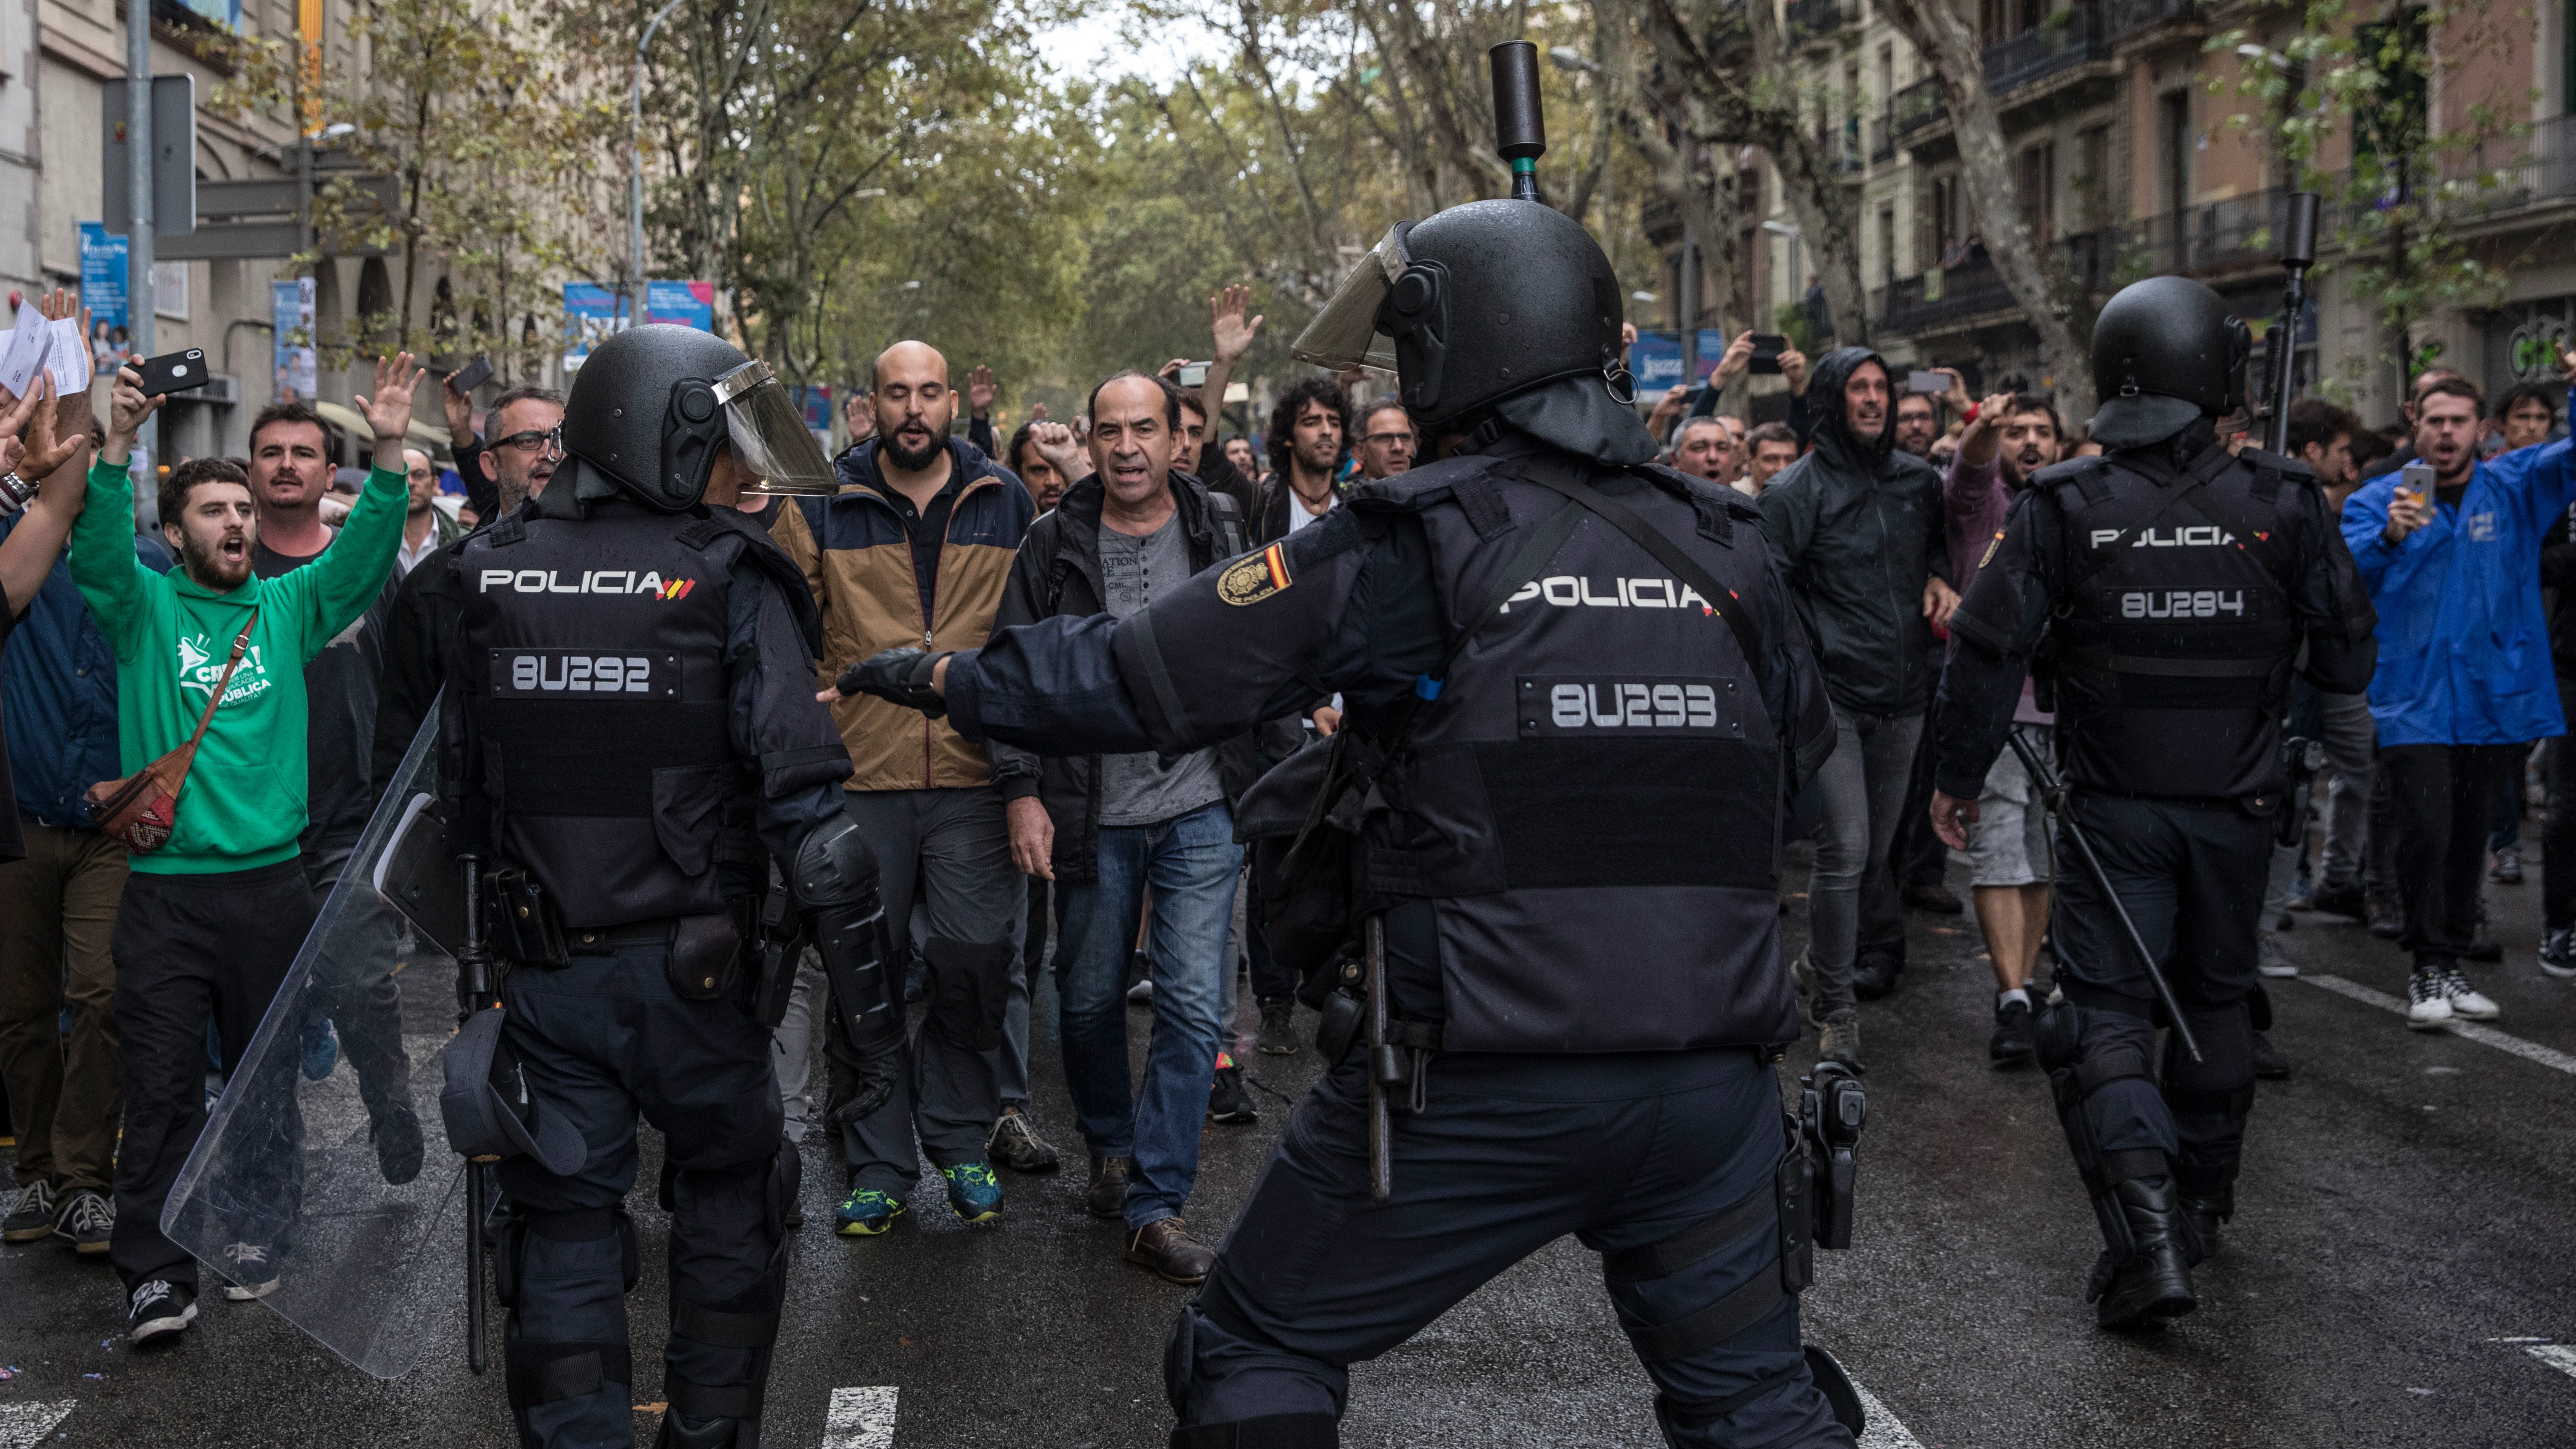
x=2154 y=1281
x=2205 y=1193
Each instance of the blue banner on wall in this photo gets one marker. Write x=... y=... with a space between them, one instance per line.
x=102 y=264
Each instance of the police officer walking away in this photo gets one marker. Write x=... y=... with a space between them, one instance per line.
x=1577 y=697
x=637 y=724
x=2167 y=591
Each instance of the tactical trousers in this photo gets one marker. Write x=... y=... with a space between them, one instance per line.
x=65 y=1091
x=1512 y=1153
x=192 y=949
x=602 y=1041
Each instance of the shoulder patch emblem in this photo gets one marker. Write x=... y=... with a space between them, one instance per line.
x=1255 y=577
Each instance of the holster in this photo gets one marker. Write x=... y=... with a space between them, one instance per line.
x=521 y=920
x=706 y=957
x=782 y=948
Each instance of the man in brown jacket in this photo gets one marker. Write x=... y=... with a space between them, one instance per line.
x=915 y=550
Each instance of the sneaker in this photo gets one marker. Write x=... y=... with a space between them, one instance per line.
x=1934 y=897
x=1278 y=1026
x=2012 y=1044
x=2507 y=869
x=2428 y=998
x=2269 y=1064
x=1016 y=1145
x=398 y=1145
x=252 y=1275
x=1107 y=1195
x=2269 y=960
x=31 y=1213
x=1227 y=1101
x=1839 y=1039
x=2558 y=954
x=2341 y=900
x=321 y=1049
x=87 y=1221
x=974 y=1193
x=158 y=1310
x=2386 y=913
x=867 y=1212
x=2466 y=1001
x=1141 y=994
x=1874 y=974
x=1165 y=1245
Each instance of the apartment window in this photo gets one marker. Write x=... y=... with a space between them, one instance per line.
x=1887 y=243
x=1887 y=70
x=2093 y=182
x=2173 y=147
x=2037 y=182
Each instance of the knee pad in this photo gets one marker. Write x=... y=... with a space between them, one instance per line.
x=544 y=1370
x=970 y=988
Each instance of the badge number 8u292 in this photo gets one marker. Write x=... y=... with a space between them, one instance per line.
x=1255 y=577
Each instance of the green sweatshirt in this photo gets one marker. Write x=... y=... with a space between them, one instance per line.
x=243 y=805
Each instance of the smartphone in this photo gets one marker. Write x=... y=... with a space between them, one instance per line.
x=174 y=372
x=1926 y=382
x=1194 y=374
x=2415 y=482
x=1767 y=347
x=471 y=376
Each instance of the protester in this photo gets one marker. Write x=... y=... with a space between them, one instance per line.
x=1239 y=451
x=210 y=922
x=1773 y=447
x=2322 y=435
x=1231 y=330
x=1855 y=528
x=1921 y=862
x=1308 y=446
x=426 y=526
x=2558 y=818
x=1045 y=484
x=2011 y=868
x=1705 y=448
x=2524 y=418
x=1127 y=534
x=914 y=549
x=2454 y=576
x=1918 y=423
x=60 y=878
x=1386 y=442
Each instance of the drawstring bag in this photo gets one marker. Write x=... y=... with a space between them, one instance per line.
x=142 y=809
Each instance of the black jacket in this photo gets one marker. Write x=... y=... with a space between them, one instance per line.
x=1058 y=573
x=2558 y=576
x=1855 y=527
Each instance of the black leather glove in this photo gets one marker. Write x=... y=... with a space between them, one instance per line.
x=898 y=675
x=861 y=1084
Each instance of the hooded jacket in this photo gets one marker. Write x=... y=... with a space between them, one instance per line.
x=1855 y=527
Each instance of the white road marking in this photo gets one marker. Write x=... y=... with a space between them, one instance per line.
x=860 y=1419
x=1884 y=1430
x=23 y=1426
x=2557 y=1355
x=2529 y=1051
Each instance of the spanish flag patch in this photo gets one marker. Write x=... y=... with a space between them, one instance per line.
x=1255 y=577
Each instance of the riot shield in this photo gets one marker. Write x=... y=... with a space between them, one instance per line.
x=304 y=1176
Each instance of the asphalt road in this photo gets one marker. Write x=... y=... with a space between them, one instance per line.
x=2401 y=1272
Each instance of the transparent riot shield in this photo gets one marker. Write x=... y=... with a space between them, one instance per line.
x=323 y=1168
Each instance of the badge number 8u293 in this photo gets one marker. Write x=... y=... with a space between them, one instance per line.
x=1255 y=577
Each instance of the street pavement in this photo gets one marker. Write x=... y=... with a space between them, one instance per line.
x=2400 y=1272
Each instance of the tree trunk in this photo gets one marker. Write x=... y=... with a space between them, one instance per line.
x=2056 y=301
x=1826 y=207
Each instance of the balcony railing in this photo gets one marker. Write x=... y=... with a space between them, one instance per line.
x=1915 y=107
x=1808 y=19
x=2213 y=235
x=2521 y=170
x=1975 y=288
x=2067 y=38
x=2124 y=18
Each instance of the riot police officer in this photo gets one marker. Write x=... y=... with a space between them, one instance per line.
x=637 y=739
x=2166 y=591
x=1576 y=700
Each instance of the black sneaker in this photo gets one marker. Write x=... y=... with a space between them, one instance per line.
x=1227 y=1101
x=2558 y=954
x=158 y=1311
x=398 y=1145
x=1874 y=974
x=31 y=1213
x=252 y=1276
x=2340 y=900
x=2012 y=1044
x=87 y=1220
x=1278 y=1026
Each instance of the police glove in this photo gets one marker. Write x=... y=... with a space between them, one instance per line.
x=899 y=675
x=860 y=1085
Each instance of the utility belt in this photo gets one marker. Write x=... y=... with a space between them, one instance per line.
x=1399 y=1057
x=705 y=955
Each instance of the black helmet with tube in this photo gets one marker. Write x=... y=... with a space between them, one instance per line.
x=2166 y=351
x=651 y=406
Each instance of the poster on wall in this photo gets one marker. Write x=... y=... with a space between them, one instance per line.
x=686 y=304
x=102 y=265
x=590 y=318
x=291 y=304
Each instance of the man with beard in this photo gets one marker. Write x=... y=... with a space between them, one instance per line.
x=1855 y=528
x=211 y=920
x=1308 y=445
x=917 y=547
x=2009 y=437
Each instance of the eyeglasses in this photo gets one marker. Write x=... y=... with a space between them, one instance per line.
x=549 y=441
x=1405 y=437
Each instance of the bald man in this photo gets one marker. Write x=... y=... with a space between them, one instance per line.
x=915 y=550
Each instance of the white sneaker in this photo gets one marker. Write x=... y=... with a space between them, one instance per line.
x=252 y=1276
x=2428 y=1000
x=1141 y=994
x=2268 y=958
x=2466 y=1000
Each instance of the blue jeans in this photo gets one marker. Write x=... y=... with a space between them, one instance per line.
x=1191 y=864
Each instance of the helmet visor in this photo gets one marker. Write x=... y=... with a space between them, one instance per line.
x=1345 y=334
x=771 y=444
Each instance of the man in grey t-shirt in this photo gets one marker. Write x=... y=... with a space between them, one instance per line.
x=1136 y=570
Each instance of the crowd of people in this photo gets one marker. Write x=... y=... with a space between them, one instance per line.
x=287 y=639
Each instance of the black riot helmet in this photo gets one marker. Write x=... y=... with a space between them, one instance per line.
x=652 y=404
x=2165 y=352
x=1495 y=306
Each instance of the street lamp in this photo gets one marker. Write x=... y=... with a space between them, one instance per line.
x=1567 y=58
x=635 y=159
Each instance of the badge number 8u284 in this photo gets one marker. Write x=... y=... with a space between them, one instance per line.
x=1255 y=577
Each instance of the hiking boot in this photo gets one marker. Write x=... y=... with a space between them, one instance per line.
x=1165 y=1245
x=1278 y=1026
x=1015 y=1143
x=974 y=1193
x=867 y=1212
x=1107 y=1195
x=1839 y=1039
x=31 y=1214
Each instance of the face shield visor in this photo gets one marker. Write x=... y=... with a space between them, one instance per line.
x=773 y=449
x=1345 y=334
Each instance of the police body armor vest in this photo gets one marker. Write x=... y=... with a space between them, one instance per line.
x=2174 y=649
x=595 y=699
x=1592 y=803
